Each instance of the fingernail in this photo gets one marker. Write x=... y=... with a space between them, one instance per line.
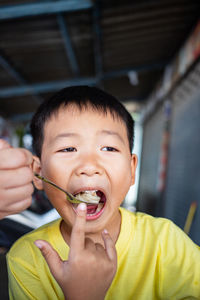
x=82 y=206
x=38 y=244
x=105 y=231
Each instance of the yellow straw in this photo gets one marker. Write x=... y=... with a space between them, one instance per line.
x=190 y=217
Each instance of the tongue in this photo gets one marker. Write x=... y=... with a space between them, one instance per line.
x=91 y=209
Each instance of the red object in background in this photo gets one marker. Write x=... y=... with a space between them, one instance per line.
x=164 y=149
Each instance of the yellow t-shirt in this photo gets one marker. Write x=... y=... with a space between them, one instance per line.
x=156 y=260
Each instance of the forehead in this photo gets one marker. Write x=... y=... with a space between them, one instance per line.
x=76 y=118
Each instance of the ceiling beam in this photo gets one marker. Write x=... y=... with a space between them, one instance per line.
x=68 y=45
x=11 y=70
x=26 y=117
x=17 y=76
x=41 y=8
x=53 y=86
x=45 y=87
x=97 y=44
x=137 y=69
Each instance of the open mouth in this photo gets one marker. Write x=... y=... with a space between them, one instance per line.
x=94 y=210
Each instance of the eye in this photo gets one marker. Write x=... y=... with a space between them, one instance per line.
x=109 y=149
x=68 y=149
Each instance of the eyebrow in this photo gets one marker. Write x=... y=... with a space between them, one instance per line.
x=65 y=135
x=110 y=132
x=102 y=132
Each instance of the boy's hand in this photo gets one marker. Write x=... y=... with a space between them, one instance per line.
x=90 y=268
x=15 y=179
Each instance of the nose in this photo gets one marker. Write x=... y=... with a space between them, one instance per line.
x=89 y=166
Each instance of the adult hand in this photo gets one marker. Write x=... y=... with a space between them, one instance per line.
x=90 y=268
x=15 y=179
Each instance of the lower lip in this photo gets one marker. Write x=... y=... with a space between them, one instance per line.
x=94 y=216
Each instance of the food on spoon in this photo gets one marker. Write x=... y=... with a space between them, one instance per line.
x=88 y=197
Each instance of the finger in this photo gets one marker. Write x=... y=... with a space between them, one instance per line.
x=12 y=158
x=77 y=242
x=14 y=208
x=99 y=248
x=13 y=195
x=89 y=244
x=109 y=246
x=52 y=258
x=15 y=178
x=4 y=144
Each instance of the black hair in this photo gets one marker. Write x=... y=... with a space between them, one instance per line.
x=83 y=97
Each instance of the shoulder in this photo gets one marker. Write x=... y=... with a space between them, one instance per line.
x=159 y=235
x=26 y=242
x=144 y=219
x=161 y=228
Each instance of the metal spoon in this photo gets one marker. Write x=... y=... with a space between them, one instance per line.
x=70 y=197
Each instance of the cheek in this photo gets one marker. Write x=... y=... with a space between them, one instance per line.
x=54 y=170
x=58 y=200
x=54 y=196
x=123 y=178
x=122 y=169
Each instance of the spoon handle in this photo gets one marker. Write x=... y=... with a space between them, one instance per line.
x=70 y=197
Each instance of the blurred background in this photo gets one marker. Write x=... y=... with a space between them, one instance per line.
x=146 y=53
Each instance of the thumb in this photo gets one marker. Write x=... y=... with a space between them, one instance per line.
x=52 y=258
x=4 y=144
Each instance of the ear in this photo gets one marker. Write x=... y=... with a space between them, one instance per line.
x=36 y=167
x=134 y=161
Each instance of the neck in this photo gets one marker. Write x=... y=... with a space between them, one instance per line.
x=113 y=229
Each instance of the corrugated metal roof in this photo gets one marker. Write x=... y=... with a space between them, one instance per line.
x=44 y=48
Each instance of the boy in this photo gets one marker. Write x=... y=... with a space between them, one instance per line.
x=83 y=141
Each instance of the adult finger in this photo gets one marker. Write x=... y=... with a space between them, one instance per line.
x=17 y=193
x=14 y=208
x=15 y=177
x=12 y=158
x=52 y=258
x=109 y=246
x=77 y=242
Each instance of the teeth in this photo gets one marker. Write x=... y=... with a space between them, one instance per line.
x=88 y=196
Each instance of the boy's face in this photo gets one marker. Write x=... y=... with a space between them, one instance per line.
x=86 y=150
